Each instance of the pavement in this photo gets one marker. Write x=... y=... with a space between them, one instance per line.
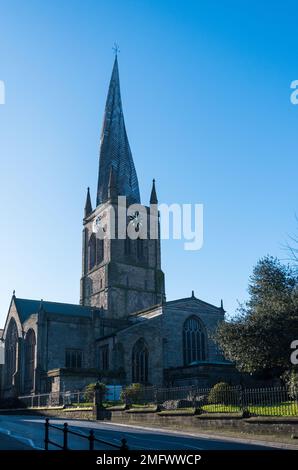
x=8 y=442
x=27 y=432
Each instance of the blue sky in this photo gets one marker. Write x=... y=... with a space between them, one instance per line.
x=205 y=89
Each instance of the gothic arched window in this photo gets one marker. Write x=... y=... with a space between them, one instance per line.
x=30 y=343
x=11 y=342
x=194 y=341
x=99 y=250
x=140 y=359
x=92 y=251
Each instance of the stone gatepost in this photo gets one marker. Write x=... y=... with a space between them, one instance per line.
x=98 y=410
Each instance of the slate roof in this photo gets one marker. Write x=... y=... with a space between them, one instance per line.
x=115 y=150
x=190 y=300
x=27 y=307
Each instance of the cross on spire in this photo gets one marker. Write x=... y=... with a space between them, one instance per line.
x=116 y=49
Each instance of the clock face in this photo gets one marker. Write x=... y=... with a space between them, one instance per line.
x=136 y=220
x=99 y=225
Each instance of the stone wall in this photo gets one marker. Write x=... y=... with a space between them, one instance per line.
x=150 y=332
x=71 y=379
x=122 y=283
x=204 y=375
x=175 y=314
x=65 y=332
x=200 y=423
x=85 y=414
x=194 y=423
x=57 y=412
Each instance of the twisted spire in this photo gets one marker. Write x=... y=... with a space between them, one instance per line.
x=114 y=148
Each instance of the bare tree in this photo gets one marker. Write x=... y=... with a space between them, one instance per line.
x=292 y=248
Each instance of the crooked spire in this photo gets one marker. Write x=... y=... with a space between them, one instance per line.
x=115 y=150
x=88 y=205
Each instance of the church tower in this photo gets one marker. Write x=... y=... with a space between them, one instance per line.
x=120 y=274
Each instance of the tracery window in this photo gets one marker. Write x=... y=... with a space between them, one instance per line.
x=194 y=341
x=11 y=342
x=140 y=362
x=30 y=344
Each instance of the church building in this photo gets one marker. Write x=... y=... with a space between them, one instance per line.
x=123 y=330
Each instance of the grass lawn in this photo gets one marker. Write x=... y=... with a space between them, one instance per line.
x=108 y=404
x=282 y=409
x=139 y=408
x=179 y=411
x=149 y=405
x=221 y=408
x=80 y=405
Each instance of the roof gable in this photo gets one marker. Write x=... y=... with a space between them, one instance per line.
x=192 y=302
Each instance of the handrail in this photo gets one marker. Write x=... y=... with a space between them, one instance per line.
x=66 y=431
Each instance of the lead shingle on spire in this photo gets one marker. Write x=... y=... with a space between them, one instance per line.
x=112 y=188
x=114 y=148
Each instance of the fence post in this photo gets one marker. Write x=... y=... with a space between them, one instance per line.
x=97 y=404
x=240 y=398
x=65 y=436
x=46 y=435
x=194 y=396
x=125 y=398
x=91 y=439
x=155 y=395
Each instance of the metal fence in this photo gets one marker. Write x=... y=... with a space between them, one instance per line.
x=269 y=401
x=66 y=399
x=91 y=438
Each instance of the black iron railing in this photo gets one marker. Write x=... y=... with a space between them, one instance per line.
x=66 y=432
x=258 y=401
x=262 y=401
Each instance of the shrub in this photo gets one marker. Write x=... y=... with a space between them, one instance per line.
x=222 y=393
x=90 y=389
x=132 y=394
x=176 y=404
x=291 y=380
x=170 y=405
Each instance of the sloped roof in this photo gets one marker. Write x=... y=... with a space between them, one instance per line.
x=191 y=301
x=115 y=150
x=27 y=307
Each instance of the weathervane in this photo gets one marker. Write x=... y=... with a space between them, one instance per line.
x=116 y=48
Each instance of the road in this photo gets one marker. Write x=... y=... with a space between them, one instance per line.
x=19 y=431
